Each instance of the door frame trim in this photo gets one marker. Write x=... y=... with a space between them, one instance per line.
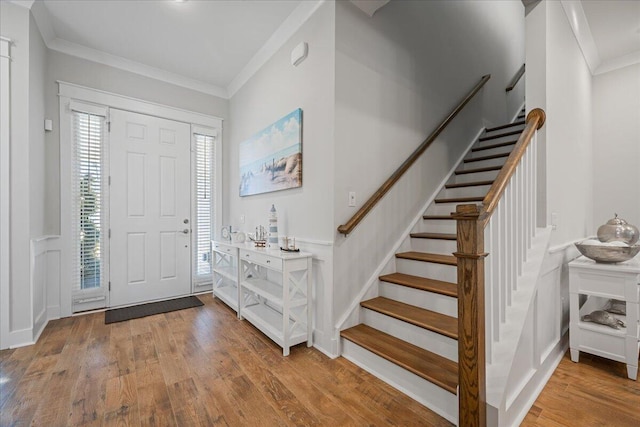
x=68 y=92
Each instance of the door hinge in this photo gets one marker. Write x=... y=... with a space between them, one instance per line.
x=108 y=126
x=109 y=180
x=109 y=233
x=109 y=286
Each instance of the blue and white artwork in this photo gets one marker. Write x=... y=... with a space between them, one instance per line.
x=271 y=160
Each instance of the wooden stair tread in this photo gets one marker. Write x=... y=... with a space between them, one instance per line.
x=430 y=366
x=468 y=184
x=426 y=319
x=461 y=199
x=422 y=283
x=481 y=158
x=499 y=135
x=437 y=217
x=508 y=125
x=428 y=257
x=487 y=169
x=437 y=236
x=489 y=147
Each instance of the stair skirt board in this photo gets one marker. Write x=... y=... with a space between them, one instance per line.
x=419 y=298
x=420 y=337
x=447 y=273
x=428 y=394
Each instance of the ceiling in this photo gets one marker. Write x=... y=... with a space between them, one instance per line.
x=214 y=46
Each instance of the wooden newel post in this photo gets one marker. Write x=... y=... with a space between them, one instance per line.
x=471 y=324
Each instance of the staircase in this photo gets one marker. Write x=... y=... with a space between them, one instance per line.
x=408 y=334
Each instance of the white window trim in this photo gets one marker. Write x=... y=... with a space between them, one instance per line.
x=5 y=140
x=70 y=93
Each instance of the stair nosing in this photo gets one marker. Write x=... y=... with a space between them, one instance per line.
x=460 y=199
x=487 y=169
x=437 y=217
x=434 y=236
x=469 y=184
x=438 y=259
x=402 y=279
x=441 y=364
x=508 y=125
x=500 y=135
x=491 y=157
x=401 y=315
x=492 y=146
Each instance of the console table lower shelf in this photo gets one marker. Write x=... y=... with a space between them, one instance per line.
x=270 y=322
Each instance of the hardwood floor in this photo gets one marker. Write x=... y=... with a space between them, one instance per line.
x=202 y=366
x=593 y=392
x=192 y=367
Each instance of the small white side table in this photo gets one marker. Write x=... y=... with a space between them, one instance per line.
x=593 y=284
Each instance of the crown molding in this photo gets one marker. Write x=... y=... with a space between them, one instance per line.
x=298 y=17
x=369 y=6
x=121 y=63
x=619 y=62
x=580 y=26
x=24 y=3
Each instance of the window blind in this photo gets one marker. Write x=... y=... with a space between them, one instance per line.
x=87 y=192
x=205 y=189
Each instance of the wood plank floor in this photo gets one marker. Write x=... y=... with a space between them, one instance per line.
x=593 y=392
x=199 y=366
x=202 y=366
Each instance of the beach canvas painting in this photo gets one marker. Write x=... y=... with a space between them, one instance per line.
x=271 y=160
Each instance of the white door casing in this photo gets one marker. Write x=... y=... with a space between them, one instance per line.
x=149 y=208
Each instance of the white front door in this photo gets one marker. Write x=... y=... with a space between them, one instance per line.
x=150 y=208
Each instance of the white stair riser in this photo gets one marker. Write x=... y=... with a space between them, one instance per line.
x=423 y=338
x=445 y=208
x=477 y=176
x=483 y=164
x=496 y=140
x=423 y=299
x=430 y=395
x=435 y=246
x=490 y=151
x=447 y=273
x=437 y=226
x=475 y=190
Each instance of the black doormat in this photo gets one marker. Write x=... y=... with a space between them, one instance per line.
x=137 y=311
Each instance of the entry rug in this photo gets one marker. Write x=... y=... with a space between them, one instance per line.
x=137 y=311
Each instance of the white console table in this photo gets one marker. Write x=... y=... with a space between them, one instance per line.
x=593 y=284
x=269 y=288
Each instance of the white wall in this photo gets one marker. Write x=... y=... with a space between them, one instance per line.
x=14 y=24
x=276 y=90
x=616 y=145
x=569 y=152
x=62 y=67
x=398 y=75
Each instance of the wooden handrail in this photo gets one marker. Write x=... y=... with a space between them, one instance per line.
x=384 y=188
x=535 y=120
x=515 y=79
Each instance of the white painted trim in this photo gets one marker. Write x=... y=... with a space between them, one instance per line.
x=373 y=279
x=123 y=102
x=314 y=242
x=5 y=142
x=619 y=62
x=293 y=23
x=121 y=63
x=580 y=26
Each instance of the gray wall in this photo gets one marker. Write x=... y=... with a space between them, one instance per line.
x=274 y=91
x=66 y=68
